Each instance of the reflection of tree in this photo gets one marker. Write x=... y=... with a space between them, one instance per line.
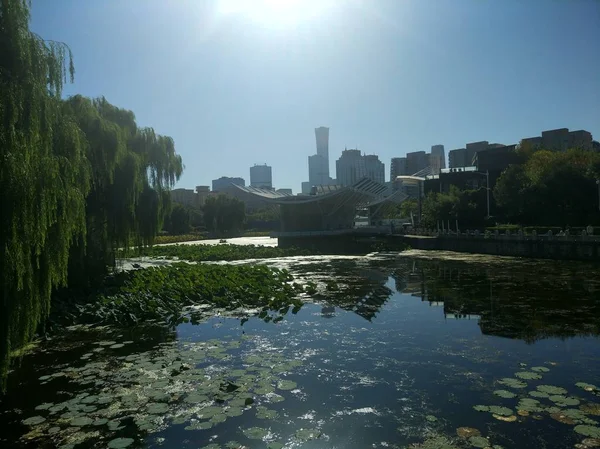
x=525 y=300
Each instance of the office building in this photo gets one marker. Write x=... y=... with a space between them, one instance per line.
x=374 y=168
x=261 y=176
x=322 y=139
x=318 y=170
x=561 y=140
x=350 y=167
x=398 y=167
x=457 y=158
x=189 y=197
x=439 y=154
x=224 y=182
x=416 y=161
x=306 y=185
x=472 y=148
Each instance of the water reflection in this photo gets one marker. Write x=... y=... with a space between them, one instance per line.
x=511 y=298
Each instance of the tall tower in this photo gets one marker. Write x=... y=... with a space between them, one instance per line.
x=322 y=138
x=438 y=151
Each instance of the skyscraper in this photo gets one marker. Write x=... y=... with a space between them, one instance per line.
x=224 y=182
x=416 y=161
x=437 y=151
x=350 y=167
x=397 y=168
x=261 y=176
x=318 y=164
x=374 y=168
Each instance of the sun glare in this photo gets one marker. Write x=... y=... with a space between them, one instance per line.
x=274 y=13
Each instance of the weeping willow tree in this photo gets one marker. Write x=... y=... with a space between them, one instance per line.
x=133 y=170
x=44 y=177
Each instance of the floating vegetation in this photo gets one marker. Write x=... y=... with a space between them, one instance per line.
x=467 y=432
x=308 y=434
x=540 y=369
x=479 y=441
x=255 y=433
x=172 y=384
x=530 y=405
x=494 y=409
x=588 y=431
x=512 y=383
x=183 y=292
x=591 y=408
x=551 y=390
x=202 y=253
x=564 y=401
x=528 y=375
x=505 y=394
x=511 y=418
x=431 y=418
x=587 y=387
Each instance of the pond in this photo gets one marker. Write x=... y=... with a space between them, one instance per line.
x=394 y=351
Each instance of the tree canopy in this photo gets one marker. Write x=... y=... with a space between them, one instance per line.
x=78 y=178
x=224 y=214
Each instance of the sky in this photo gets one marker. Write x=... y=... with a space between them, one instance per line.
x=242 y=82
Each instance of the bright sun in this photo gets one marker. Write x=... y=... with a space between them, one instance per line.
x=274 y=13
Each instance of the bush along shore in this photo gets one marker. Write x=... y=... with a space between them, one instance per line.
x=202 y=253
x=180 y=293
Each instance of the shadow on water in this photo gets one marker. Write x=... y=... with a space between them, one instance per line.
x=390 y=351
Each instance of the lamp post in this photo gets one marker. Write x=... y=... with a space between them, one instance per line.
x=487 y=188
x=598 y=184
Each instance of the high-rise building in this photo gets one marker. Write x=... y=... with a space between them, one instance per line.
x=473 y=148
x=318 y=170
x=398 y=168
x=261 y=176
x=350 y=167
x=306 y=186
x=457 y=158
x=416 y=161
x=318 y=164
x=440 y=153
x=374 y=168
x=224 y=182
x=561 y=140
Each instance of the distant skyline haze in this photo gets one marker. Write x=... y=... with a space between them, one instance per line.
x=237 y=82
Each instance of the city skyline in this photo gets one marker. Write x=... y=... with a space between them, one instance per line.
x=232 y=91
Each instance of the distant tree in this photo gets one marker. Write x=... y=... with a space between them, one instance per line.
x=224 y=214
x=178 y=221
x=408 y=206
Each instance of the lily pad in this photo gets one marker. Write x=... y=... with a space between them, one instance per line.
x=308 y=434
x=588 y=431
x=540 y=369
x=34 y=420
x=564 y=401
x=157 y=408
x=512 y=383
x=44 y=406
x=530 y=405
x=117 y=346
x=431 y=418
x=274 y=445
x=255 y=433
x=81 y=421
x=528 y=375
x=587 y=387
x=120 y=443
x=591 y=408
x=467 y=432
x=538 y=394
x=505 y=394
x=551 y=389
x=511 y=418
x=479 y=441
x=286 y=385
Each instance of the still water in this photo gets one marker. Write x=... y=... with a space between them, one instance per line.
x=395 y=351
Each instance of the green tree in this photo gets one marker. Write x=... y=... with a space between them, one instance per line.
x=409 y=206
x=178 y=221
x=132 y=171
x=224 y=214
x=44 y=177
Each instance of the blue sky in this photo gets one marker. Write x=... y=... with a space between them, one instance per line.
x=249 y=86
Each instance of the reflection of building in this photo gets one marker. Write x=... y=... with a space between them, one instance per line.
x=224 y=182
x=261 y=176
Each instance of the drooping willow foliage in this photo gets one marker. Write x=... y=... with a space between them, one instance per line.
x=132 y=171
x=78 y=179
x=44 y=177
